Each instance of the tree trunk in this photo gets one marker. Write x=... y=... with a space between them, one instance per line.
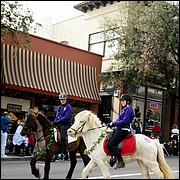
x=168 y=114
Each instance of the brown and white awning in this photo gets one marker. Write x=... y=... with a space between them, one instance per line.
x=40 y=72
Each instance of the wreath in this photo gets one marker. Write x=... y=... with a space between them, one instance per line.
x=89 y=151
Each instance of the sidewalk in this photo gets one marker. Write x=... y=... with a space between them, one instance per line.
x=21 y=158
x=16 y=158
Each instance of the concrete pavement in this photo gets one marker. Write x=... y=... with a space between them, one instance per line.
x=16 y=158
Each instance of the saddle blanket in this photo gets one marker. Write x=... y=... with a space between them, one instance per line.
x=128 y=146
x=55 y=134
x=71 y=139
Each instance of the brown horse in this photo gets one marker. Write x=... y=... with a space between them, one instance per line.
x=48 y=143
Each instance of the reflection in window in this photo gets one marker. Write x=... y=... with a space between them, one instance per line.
x=137 y=90
x=153 y=113
x=155 y=93
x=111 y=48
x=97 y=48
x=95 y=38
x=98 y=44
x=138 y=107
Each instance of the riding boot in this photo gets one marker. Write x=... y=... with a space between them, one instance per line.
x=120 y=162
x=113 y=160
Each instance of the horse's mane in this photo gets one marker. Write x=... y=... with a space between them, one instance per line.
x=30 y=115
x=93 y=118
x=43 y=120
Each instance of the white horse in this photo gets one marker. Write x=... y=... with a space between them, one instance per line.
x=149 y=153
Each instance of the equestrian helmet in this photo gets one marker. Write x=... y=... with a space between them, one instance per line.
x=126 y=97
x=63 y=96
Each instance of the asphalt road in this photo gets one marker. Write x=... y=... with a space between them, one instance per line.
x=21 y=170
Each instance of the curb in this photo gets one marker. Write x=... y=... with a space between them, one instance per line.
x=16 y=158
x=22 y=158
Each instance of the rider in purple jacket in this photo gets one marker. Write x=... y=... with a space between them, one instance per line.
x=63 y=115
x=122 y=125
x=63 y=120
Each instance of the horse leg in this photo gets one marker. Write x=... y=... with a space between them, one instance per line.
x=34 y=170
x=84 y=157
x=91 y=165
x=154 y=166
x=73 y=162
x=47 y=167
x=104 y=169
x=144 y=170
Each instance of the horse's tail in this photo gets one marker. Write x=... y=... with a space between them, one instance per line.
x=166 y=170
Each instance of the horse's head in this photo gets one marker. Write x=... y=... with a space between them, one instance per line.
x=30 y=124
x=84 y=121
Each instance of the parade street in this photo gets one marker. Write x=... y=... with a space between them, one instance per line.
x=59 y=169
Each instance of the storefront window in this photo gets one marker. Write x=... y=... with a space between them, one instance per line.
x=154 y=94
x=153 y=113
x=137 y=90
x=152 y=109
x=138 y=107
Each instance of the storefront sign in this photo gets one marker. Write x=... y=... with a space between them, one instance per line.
x=14 y=108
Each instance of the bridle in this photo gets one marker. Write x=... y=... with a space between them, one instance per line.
x=28 y=129
x=82 y=126
x=45 y=134
x=76 y=130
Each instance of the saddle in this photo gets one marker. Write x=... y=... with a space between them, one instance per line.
x=126 y=147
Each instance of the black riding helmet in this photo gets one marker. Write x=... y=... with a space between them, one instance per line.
x=126 y=97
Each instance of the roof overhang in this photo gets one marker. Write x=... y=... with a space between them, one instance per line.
x=91 y=5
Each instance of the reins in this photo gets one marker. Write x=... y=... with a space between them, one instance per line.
x=82 y=126
x=94 y=128
x=43 y=137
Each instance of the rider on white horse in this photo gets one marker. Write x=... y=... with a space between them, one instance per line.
x=122 y=129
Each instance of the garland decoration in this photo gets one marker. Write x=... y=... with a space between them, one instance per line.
x=42 y=151
x=88 y=151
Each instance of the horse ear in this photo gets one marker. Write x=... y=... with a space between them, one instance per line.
x=89 y=116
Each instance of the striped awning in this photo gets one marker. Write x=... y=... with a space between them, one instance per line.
x=39 y=71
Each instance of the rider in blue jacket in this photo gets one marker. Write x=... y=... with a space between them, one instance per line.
x=63 y=120
x=122 y=128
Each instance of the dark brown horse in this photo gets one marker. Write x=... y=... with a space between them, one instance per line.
x=48 y=143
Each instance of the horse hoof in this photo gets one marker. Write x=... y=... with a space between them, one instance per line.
x=39 y=177
x=37 y=174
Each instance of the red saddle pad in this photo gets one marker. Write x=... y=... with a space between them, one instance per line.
x=128 y=146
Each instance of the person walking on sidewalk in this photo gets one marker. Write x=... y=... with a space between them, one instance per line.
x=5 y=121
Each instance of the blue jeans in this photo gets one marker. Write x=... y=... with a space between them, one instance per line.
x=4 y=136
